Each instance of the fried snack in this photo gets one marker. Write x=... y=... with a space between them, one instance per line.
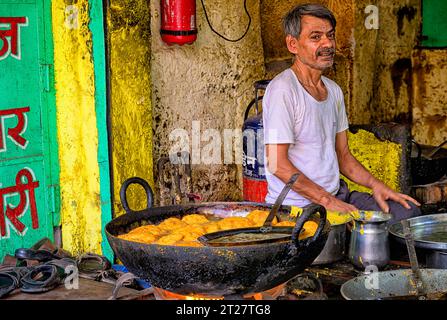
x=139 y=237
x=309 y=229
x=211 y=227
x=284 y=224
x=258 y=217
x=148 y=229
x=234 y=223
x=195 y=219
x=170 y=239
x=171 y=224
x=191 y=233
x=192 y=236
x=194 y=228
x=188 y=244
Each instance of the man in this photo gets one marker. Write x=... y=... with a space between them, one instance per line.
x=305 y=127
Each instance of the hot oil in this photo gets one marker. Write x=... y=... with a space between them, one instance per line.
x=438 y=236
x=249 y=237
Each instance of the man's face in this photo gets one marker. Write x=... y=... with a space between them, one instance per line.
x=315 y=46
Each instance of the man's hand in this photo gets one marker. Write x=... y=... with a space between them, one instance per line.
x=333 y=204
x=382 y=192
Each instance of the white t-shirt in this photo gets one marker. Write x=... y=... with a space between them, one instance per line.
x=291 y=115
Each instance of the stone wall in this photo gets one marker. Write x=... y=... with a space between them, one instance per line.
x=382 y=73
x=430 y=96
x=210 y=81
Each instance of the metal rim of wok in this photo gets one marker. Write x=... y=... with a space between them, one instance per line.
x=215 y=271
x=393 y=283
x=206 y=208
x=421 y=226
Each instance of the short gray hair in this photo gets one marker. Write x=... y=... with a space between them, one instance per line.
x=292 y=20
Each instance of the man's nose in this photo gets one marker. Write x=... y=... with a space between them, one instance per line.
x=327 y=42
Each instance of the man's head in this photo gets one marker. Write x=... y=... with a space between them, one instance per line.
x=310 y=35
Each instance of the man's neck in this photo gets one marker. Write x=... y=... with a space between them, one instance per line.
x=306 y=75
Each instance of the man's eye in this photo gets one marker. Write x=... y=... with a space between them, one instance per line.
x=331 y=36
x=315 y=37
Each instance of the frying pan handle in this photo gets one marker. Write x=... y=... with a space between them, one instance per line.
x=141 y=182
x=308 y=211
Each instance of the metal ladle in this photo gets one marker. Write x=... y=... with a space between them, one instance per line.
x=419 y=291
x=418 y=285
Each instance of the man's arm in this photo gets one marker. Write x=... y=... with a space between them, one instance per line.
x=355 y=171
x=279 y=164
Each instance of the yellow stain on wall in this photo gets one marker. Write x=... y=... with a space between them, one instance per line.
x=131 y=108
x=381 y=158
x=77 y=130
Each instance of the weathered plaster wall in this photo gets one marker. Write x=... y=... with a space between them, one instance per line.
x=77 y=130
x=384 y=90
x=430 y=96
x=131 y=108
x=277 y=57
x=373 y=67
x=210 y=81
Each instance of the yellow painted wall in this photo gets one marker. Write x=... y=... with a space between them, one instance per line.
x=77 y=130
x=131 y=108
x=381 y=158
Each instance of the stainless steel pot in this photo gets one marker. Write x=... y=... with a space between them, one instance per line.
x=335 y=247
x=430 y=235
x=436 y=260
x=369 y=245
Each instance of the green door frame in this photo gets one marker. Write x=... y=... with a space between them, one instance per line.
x=47 y=102
x=99 y=59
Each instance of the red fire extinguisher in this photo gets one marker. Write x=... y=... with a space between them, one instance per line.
x=178 y=21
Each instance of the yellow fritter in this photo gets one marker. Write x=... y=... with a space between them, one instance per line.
x=152 y=229
x=195 y=219
x=211 y=227
x=139 y=237
x=191 y=232
x=170 y=239
x=192 y=236
x=188 y=244
x=172 y=224
x=284 y=224
x=309 y=229
x=234 y=223
x=258 y=217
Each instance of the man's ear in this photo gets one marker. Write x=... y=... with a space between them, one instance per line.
x=292 y=44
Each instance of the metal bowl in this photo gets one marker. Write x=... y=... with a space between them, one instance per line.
x=389 y=284
x=429 y=232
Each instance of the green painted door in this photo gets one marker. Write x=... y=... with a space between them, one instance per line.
x=434 y=23
x=29 y=193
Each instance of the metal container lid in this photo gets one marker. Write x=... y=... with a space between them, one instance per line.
x=429 y=231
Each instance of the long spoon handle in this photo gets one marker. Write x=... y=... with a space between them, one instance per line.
x=273 y=213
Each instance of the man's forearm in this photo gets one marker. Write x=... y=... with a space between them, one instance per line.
x=351 y=168
x=304 y=186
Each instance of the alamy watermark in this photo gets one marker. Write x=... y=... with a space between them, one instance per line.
x=71 y=280
x=372 y=20
x=211 y=146
x=372 y=277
